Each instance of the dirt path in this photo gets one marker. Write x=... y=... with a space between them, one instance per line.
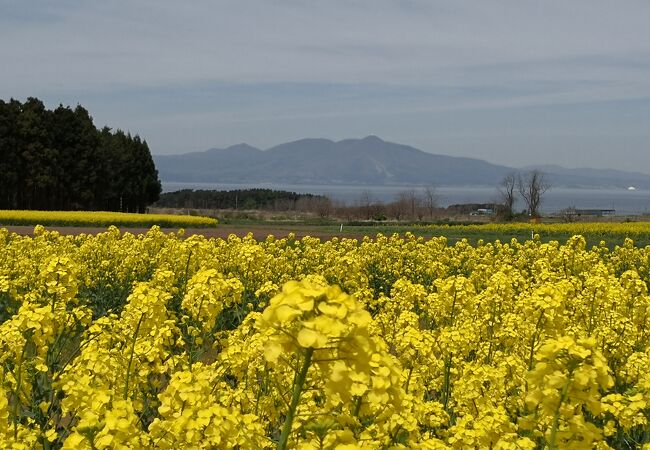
x=222 y=231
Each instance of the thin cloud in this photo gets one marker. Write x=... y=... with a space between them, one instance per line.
x=123 y=43
x=139 y=64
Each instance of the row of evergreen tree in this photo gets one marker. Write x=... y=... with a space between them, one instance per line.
x=58 y=160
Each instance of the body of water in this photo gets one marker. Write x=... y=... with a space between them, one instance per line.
x=623 y=201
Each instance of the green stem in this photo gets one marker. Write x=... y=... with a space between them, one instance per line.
x=191 y=354
x=357 y=406
x=19 y=382
x=128 y=368
x=54 y=295
x=187 y=271
x=393 y=438
x=408 y=380
x=453 y=308
x=556 y=417
x=447 y=385
x=536 y=334
x=295 y=399
x=591 y=316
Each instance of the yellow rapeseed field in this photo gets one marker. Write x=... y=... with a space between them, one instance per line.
x=156 y=341
x=584 y=228
x=101 y=219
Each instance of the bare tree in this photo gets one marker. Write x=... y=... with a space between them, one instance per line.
x=413 y=201
x=507 y=195
x=400 y=207
x=408 y=204
x=323 y=206
x=531 y=187
x=365 y=204
x=430 y=200
x=317 y=204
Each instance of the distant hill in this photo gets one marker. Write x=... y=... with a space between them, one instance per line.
x=367 y=161
x=585 y=177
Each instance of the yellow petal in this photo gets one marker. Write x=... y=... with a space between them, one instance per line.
x=310 y=338
x=285 y=313
x=272 y=352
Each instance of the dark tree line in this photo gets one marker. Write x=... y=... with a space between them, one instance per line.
x=58 y=160
x=235 y=199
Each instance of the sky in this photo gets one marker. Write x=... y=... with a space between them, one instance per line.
x=514 y=82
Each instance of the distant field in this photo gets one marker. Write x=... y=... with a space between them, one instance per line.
x=102 y=219
x=594 y=232
x=22 y=222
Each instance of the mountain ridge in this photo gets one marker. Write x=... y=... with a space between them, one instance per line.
x=365 y=161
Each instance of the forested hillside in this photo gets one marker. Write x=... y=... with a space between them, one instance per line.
x=58 y=160
x=234 y=199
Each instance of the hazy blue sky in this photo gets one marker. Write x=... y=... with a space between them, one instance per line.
x=514 y=82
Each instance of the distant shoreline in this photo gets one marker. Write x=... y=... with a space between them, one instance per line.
x=622 y=200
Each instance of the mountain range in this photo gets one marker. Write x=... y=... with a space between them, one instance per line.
x=368 y=161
